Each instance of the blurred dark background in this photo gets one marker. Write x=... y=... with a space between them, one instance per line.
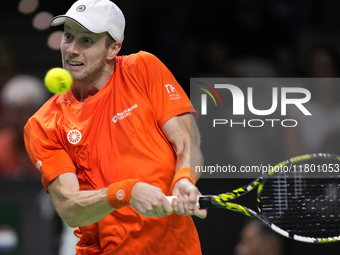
x=215 y=38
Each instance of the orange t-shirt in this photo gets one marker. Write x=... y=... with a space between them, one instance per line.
x=113 y=136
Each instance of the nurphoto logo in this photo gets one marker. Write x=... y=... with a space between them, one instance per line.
x=243 y=102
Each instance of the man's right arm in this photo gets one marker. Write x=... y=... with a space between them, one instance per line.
x=82 y=208
x=78 y=208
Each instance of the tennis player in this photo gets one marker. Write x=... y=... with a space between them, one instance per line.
x=111 y=149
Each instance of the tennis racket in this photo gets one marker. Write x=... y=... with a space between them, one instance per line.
x=298 y=198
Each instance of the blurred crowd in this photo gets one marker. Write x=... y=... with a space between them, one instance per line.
x=258 y=239
x=20 y=96
x=249 y=38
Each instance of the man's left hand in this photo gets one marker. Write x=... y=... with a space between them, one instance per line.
x=186 y=197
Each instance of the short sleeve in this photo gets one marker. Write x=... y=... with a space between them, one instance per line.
x=49 y=156
x=165 y=94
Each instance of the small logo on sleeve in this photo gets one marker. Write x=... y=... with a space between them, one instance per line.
x=172 y=91
x=38 y=165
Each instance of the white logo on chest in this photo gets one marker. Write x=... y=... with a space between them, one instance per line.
x=122 y=115
x=74 y=136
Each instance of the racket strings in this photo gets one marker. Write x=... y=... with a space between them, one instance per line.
x=306 y=207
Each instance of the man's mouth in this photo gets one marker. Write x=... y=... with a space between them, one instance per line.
x=75 y=63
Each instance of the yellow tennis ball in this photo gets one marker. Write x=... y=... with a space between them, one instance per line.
x=58 y=80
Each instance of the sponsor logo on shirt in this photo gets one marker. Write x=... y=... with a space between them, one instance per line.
x=74 y=136
x=170 y=88
x=122 y=115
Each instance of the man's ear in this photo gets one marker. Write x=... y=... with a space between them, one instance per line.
x=113 y=50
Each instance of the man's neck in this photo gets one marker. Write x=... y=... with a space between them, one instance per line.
x=88 y=88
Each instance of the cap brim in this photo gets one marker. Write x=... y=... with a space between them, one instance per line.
x=90 y=25
x=58 y=20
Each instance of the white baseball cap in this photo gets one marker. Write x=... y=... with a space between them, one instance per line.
x=97 y=16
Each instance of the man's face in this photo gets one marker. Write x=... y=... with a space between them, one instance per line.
x=83 y=53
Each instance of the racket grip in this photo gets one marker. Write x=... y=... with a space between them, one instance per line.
x=170 y=198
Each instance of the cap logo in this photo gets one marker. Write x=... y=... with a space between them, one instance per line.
x=81 y=8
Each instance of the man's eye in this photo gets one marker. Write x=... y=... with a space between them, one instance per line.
x=87 y=40
x=68 y=36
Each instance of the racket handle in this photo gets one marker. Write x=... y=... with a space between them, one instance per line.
x=170 y=198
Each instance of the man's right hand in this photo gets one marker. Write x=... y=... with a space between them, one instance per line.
x=149 y=200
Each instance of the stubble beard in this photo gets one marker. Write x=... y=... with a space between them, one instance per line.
x=92 y=74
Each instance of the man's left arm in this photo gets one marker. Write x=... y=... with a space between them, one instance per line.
x=182 y=132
